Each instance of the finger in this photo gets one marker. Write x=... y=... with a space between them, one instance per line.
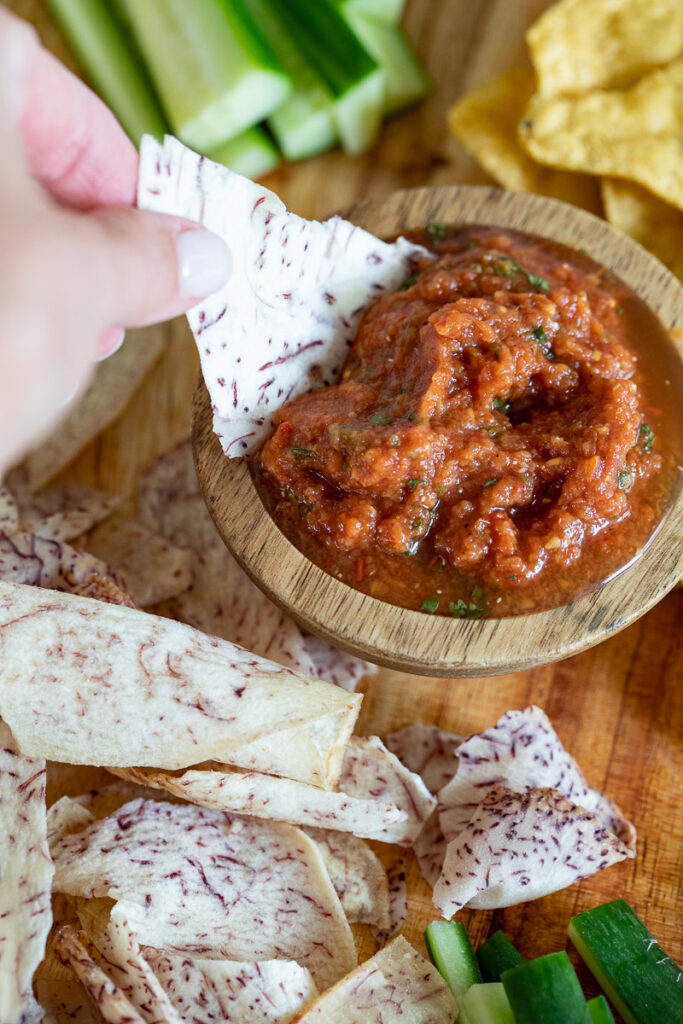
x=74 y=145
x=147 y=267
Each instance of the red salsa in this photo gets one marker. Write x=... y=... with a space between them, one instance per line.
x=504 y=436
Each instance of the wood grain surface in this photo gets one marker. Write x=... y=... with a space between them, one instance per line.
x=617 y=707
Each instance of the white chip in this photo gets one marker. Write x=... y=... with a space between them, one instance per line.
x=283 y=322
x=265 y=796
x=198 y=881
x=337 y=666
x=26 y=872
x=398 y=901
x=106 y=996
x=396 y=986
x=521 y=751
x=208 y=991
x=370 y=770
x=357 y=875
x=128 y=687
x=428 y=751
x=153 y=568
x=520 y=846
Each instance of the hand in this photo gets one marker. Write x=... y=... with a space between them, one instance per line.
x=78 y=263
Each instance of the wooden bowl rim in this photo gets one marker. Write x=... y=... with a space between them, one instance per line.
x=414 y=641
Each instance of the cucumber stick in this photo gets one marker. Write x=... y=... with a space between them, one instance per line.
x=215 y=74
x=101 y=48
x=486 y=1004
x=599 y=1010
x=253 y=153
x=353 y=76
x=304 y=124
x=645 y=984
x=450 y=951
x=545 y=991
x=406 y=79
x=388 y=11
x=497 y=955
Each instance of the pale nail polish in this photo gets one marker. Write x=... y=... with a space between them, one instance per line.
x=204 y=263
x=114 y=339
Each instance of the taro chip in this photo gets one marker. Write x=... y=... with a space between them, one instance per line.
x=113 y=385
x=522 y=751
x=65 y=513
x=398 y=901
x=485 y=121
x=9 y=510
x=207 y=991
x=578 y=46
x=428 y=751
x=357 y=875
x=652 y=222
x=337 y=666
x=176 y=695
x=108 y=999
x=632 y=133
x=153 y=568
x=430 y=850
x=521 y=846
x=222 y=600
x=370 y=770
x=26 y=872
x=395 y=986
x=195 y=881
x=378 y=798
x=217 y=787
x=39 y=562
x=284 y=320
x=110 y=933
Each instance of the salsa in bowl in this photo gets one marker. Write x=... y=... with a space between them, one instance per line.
x=518 y=397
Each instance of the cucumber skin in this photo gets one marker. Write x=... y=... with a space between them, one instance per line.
x=451 y=953
x=497 y=955
x=545 y=991
x=643 y=982
x=600 y=1012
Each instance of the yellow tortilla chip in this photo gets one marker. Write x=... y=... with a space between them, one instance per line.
x=657 y=225
x=634 y=133
x=581 y=45
x=486 y=121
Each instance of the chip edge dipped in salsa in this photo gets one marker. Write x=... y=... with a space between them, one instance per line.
x=503 y=437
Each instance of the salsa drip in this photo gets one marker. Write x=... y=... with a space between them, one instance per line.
x=491 y=447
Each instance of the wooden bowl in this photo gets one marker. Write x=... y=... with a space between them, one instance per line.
x=413 y=641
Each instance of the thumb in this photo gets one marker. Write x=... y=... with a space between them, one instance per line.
x=147 y=266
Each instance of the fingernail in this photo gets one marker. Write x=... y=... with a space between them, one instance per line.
x=204 y=263
x=110 y=341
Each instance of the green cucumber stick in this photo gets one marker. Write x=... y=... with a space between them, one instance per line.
x=545 y=991
x=389 y=11
x=253 y=153
x=304 y=124
x=354 y=78
x=487 y=1004
x=643 y=983
x=450 y=951
x=214 y=72
x=599 y=1010
x=406 y=79
x=110 y=64
x=497 y=955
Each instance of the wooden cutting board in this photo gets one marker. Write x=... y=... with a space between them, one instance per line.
x=619 y=707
